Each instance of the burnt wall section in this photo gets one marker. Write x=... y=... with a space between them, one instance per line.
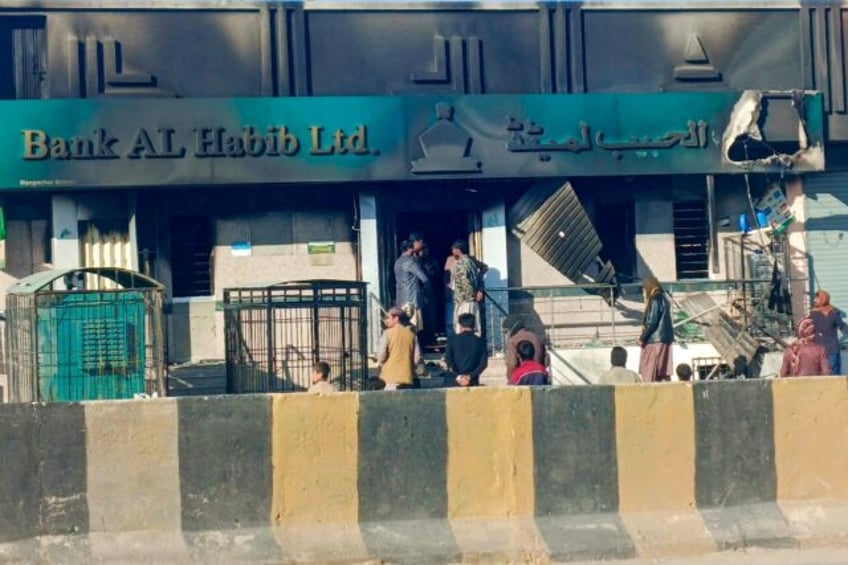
x=288 y=50
x=160 y=53
x=823 y=58
x=424 y=52
x=241 y=50
x=677 y=50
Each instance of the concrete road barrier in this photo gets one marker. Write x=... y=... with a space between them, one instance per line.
x=492 y=474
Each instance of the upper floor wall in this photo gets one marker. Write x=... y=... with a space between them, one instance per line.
x=209 y=49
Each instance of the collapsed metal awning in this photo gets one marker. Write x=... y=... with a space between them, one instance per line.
x=728 y=337
x=554 y=224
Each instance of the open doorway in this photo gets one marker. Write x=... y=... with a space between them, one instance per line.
x=440 y=229
x=615 y=224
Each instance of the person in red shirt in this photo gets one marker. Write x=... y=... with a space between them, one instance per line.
x=529 y=371
x=805 y=357
x=518 y=333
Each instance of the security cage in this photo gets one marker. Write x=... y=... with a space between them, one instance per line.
x=84 y=334
x=275 y=334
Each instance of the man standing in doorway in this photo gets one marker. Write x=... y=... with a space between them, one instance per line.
x=449 y=270
x=467 y=287
x=430 y=266
x=655 y=362
x=417 y=241
x=410 y=282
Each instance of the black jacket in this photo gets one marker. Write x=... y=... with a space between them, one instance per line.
x=657 y=326
x=466 y=354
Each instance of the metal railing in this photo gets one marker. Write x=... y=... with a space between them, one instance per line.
x=579 y=316
x=376 y=313
x=567 y=316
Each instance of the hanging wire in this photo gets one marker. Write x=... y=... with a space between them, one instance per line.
x=751 y=199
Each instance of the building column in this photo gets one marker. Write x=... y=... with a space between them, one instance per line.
x=132 y=228
x=655 y=239
x=369 y=263
x=65 y=239
x=798 y=269
x=494 y=239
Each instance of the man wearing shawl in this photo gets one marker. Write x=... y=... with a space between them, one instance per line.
x=467 y=287
x=805 y=357
x=655 y=363
x=827 y=320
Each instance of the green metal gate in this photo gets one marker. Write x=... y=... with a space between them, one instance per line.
x=97 y=336
x=90 y=345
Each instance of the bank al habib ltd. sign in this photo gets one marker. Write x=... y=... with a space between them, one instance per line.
x=144 y=142
x=208 y=142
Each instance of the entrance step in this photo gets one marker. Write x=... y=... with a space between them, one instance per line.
x=495 y=373
x=198 y=379
x=203 y=379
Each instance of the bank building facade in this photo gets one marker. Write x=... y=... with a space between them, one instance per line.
x=576 y=148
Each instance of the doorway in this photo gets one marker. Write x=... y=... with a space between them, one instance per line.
x=440 y=229
x=615 y=224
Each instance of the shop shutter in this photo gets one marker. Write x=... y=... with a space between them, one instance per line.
x=827 y=227
x=104 y=246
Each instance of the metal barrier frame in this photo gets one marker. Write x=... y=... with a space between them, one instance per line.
x=274 y=334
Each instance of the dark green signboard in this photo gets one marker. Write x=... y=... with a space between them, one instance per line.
x=49 y=144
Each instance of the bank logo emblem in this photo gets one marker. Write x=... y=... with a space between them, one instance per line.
x=446 y=147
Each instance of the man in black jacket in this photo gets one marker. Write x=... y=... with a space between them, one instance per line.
x=466 y=356
x=655 y=363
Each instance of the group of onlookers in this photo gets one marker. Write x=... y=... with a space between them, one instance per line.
x=815 y=352
x=817 y=349
x=463 y=284
x=466 y=354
